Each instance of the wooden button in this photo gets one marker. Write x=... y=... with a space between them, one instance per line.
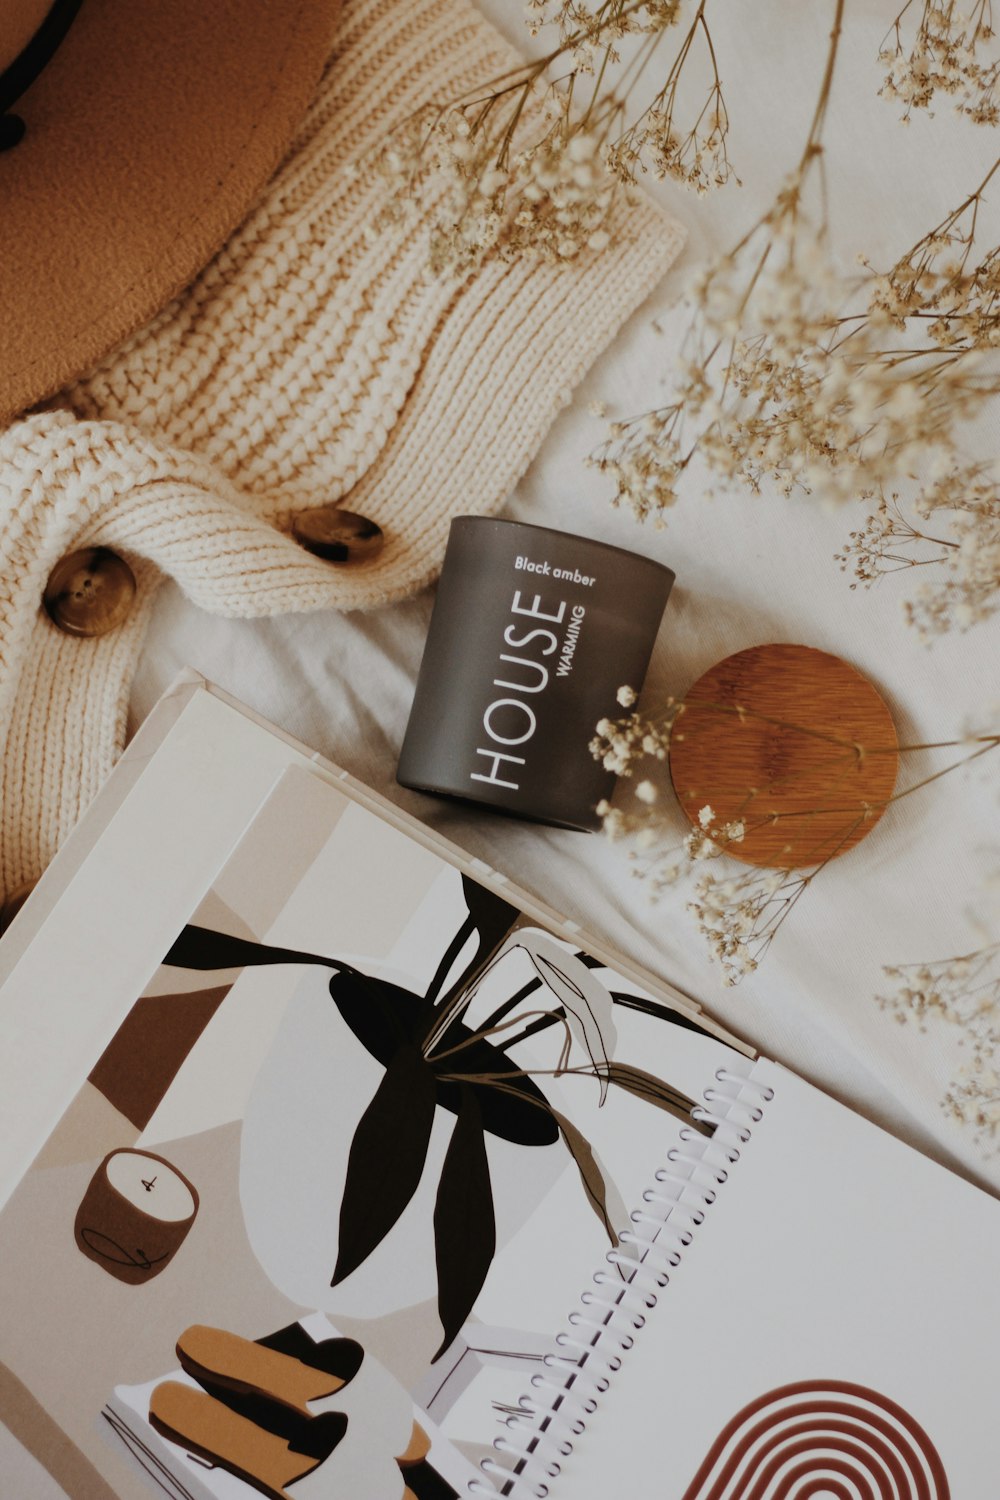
x=337 y=535
x=89 y=592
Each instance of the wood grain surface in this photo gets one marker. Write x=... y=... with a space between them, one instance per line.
x=792 y=742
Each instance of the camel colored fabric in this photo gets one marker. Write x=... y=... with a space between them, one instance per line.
x=309 y=363
x=150 y=133
x=21 y=20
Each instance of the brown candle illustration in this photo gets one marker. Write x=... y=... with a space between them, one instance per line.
x=135 y=1215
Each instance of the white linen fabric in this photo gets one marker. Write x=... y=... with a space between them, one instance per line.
x=749 y=571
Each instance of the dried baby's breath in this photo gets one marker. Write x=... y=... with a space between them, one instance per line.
x=935 y=47
x=739 y=915
x=653 y=137
x=514 y=186
x=832 y=386
x=836 y=387
x=530 y=162
x=738 y=909
x=963 y=508
x=781 y=378
x=964 y=993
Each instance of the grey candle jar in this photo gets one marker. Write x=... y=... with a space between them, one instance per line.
x=533 y=633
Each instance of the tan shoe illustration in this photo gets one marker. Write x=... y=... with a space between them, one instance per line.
x=253 y=1416
x=208 y=1429
x=216 y=1358
x=417 y=1448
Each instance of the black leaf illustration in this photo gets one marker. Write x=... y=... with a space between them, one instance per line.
x=660 y=1012
x=492 y=914
x=465 y=1235
x=202 y=948
x=596 y=1185
x=491 y=918
x=386 y=1159
x=654 y=1091
x=381 y=1015
x=384 y=1017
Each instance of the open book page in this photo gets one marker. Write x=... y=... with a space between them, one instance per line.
x=365 y=1086
x=832 y=1330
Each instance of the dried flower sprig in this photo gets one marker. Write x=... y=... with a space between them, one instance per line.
x=740 y=910
x=780 y=378
x=695 y=155
x=940 y=288
x=529 y=162
x=967 y=590
x=962 y=992
x=500 y=178
x=839 y=388
x=943 y=52
x=739 y=916
x=758 y=314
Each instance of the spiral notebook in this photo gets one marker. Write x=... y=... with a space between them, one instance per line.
x=362 y=1175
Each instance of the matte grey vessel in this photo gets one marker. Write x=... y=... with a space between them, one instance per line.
x=533 y=633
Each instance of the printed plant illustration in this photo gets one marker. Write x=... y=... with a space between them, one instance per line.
x=434 y=1058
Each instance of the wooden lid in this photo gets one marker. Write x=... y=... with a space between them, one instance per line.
x=792 y=742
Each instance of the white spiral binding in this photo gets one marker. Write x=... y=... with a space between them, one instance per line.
x=579 y=1371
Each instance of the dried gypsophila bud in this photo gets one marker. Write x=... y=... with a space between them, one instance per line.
x=947 y=52
x=958 y=533
x=960 y=993
x=738 y=912
x=777 y=379
x=516 y=166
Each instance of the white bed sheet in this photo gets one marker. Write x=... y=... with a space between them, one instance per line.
x=748 y=571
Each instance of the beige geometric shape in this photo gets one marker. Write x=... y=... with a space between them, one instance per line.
x=215 y=913
x=91 y=1127
x=26 y=1419
x=359 y=890
x=213 y=1083
x=277 y=849
x=170 y=981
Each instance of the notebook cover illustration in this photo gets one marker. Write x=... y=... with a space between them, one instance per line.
x=309 y=1226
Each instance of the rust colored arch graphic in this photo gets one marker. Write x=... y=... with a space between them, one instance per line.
x=824 y=1438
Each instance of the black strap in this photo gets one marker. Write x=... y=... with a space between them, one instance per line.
x=29 y=62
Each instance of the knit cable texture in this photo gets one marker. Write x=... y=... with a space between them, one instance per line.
x=309 y=363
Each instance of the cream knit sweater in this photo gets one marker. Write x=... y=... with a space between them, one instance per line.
x=305 y=365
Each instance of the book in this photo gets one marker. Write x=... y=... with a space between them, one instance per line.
x=359 y=1172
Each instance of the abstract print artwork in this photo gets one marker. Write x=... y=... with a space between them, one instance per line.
x=362 y=1098
x=434 y=1050
x=821 y=1440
